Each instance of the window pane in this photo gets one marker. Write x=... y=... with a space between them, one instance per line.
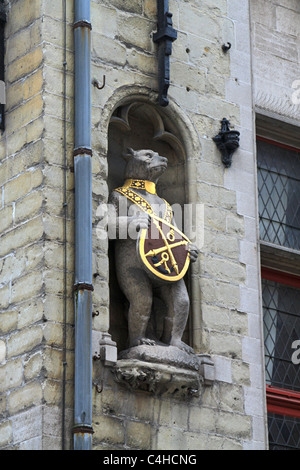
x=281 y=307
x=284 y=432
x=279 y=194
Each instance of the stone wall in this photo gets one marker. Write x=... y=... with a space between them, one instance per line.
x=32 y=226
x=275 y=57
x=206 y=86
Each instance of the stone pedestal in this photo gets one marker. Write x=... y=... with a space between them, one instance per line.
x=162 y=370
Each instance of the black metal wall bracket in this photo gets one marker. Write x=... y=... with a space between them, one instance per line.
x=164 y=37
x=227 y=142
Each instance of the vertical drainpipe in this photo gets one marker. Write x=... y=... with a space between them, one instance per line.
x=83 y=229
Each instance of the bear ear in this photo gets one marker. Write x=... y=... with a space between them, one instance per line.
x=128 y=154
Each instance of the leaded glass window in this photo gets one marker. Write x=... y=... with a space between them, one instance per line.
x=281 y=307
x=284 y=432
x=279 y=227
x=279 y=194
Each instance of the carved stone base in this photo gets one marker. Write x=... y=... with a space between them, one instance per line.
x=163 y=370
x=163 y=354
x=160 y=379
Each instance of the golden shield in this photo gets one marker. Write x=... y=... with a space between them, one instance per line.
x=163 y=250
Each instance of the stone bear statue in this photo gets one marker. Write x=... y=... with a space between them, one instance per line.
x=142 y=171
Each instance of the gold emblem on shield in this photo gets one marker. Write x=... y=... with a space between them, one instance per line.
x=163 y=249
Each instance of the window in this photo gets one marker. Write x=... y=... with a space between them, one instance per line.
x=279 y=193
x=279 y=228
x=281 y=302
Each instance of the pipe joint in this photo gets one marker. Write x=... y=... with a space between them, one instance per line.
x=83 y=429
x=82 y=151
x=82 y=24
x=83 y=286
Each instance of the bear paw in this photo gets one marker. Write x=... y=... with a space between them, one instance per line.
x=139 y=341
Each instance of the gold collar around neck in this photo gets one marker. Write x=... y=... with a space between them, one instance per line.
x=148 y=186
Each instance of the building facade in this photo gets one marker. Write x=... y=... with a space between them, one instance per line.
x=233 y=60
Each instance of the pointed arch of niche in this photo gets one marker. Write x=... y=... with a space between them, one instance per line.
x=139 y=125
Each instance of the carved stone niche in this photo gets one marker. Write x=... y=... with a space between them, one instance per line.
x=161 y=369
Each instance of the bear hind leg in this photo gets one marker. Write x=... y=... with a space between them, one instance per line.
x=140 y=297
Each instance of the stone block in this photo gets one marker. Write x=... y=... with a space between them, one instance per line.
x=233 y=425
x=23 y=397
x=109 y=430
x=231 y=398
x=241 y=373
x=228 y=346
x=150 y=9
x=250 y=300
x=202 y=419
x=6 y=217
x=22 y=14
x=108 y=49
x=54 y=281
x=23 y=42
x=14 y=95
x=287 y=21
x=33 y=84
x=55 y=10
x=29 y=206
x=52 y=363
x=9 y=319
x=222 y=294
x=252 y=350
x=144 y=63
x=25 y=65
x=178 y=415
x=170 y=438
x=26 y=287
x=224 y=270
x=32 y=444
x=104 y=20
x=5 y=433
x=27 y=425
x=22 y=185
x=11 y=375
x=253 y=398
x=4 y=296
x=223 y=369
x=33 y=366
x=107 y=350
x=2 y=351
x=26 y=158
x=24 y=341
x=136 y=31
x=235 y=225
x=192 y=20
x=138 y=435
x=132 y=6
x=53 y=334
x=53 y=32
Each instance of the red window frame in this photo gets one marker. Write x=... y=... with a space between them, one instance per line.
x=279 y=144
x=279 y=400
x=283 y=402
